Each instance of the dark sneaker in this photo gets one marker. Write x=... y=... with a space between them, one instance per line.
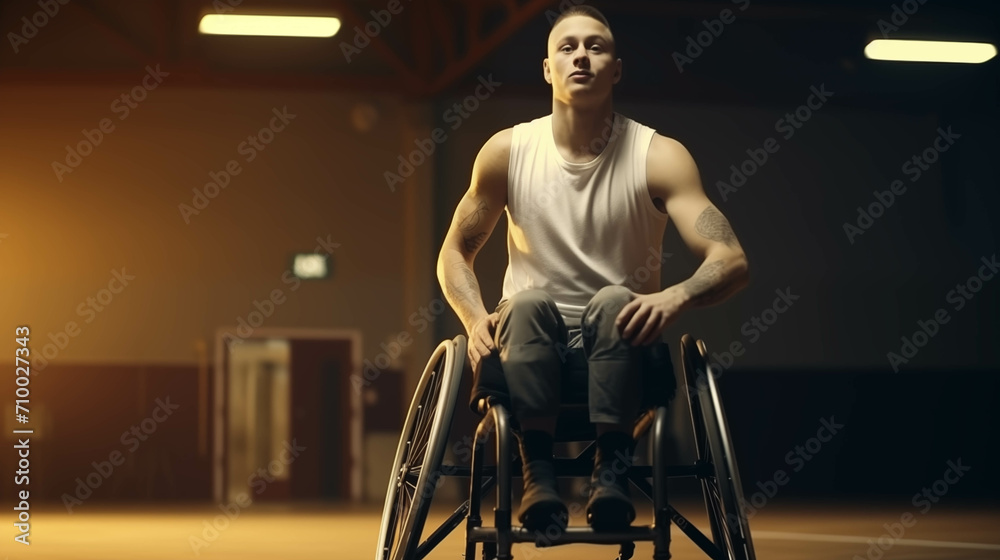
x=541 y=507
x=610 y=507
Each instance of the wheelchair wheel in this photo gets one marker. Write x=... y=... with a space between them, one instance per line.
x=415 y=472
x=723 y=492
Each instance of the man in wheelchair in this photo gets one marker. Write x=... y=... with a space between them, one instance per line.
x=588 y=193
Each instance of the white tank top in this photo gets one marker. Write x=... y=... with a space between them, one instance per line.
x=574 y=228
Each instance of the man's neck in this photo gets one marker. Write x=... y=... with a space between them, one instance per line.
x=581 y=134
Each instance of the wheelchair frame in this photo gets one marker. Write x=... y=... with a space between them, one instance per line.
x=417 y=469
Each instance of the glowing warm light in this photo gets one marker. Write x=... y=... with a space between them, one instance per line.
x=306 y=265
x=930 y=51
x=272 y=26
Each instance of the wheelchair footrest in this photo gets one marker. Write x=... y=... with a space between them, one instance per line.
x=569 y=535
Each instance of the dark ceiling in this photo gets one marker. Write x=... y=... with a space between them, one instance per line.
x=770 y=52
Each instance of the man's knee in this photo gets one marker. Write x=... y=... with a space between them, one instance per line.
x=606 y=304
x=529 y=337
x=532 y=300
x=534 y=304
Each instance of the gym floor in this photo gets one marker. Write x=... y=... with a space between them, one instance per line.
x=780 y=531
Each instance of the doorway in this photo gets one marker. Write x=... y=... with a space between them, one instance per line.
x=288 y=425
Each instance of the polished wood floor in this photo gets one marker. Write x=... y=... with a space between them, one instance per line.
x=274 y=532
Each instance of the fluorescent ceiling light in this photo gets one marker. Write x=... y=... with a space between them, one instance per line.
x=273 y=26
x=929 y=51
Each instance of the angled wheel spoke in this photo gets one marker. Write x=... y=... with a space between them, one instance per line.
x=420 y=445
x=397 y=526
x=418 y=441
x=715 y=493
x=412 y=474
x=426 y=420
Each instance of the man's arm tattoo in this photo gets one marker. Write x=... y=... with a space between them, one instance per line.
x=704 y=286
x=472 y=243
x=469 y=289
x=711 y=224
x=471 y=221
x=470 y=224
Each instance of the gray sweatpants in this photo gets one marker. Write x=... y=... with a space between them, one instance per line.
x=535 y=346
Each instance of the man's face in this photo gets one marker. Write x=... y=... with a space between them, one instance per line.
x=581 y=62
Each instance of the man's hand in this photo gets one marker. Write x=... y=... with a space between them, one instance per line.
x=481 y=339
x=643 y=319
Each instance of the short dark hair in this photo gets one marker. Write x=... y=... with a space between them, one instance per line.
x=583 y=10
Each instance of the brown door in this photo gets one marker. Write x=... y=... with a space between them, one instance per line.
x=321 y=419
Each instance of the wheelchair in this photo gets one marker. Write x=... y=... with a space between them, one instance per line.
x=417 y=471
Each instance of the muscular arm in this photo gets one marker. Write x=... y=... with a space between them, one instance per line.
x=673 y=176
x=474 y=220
